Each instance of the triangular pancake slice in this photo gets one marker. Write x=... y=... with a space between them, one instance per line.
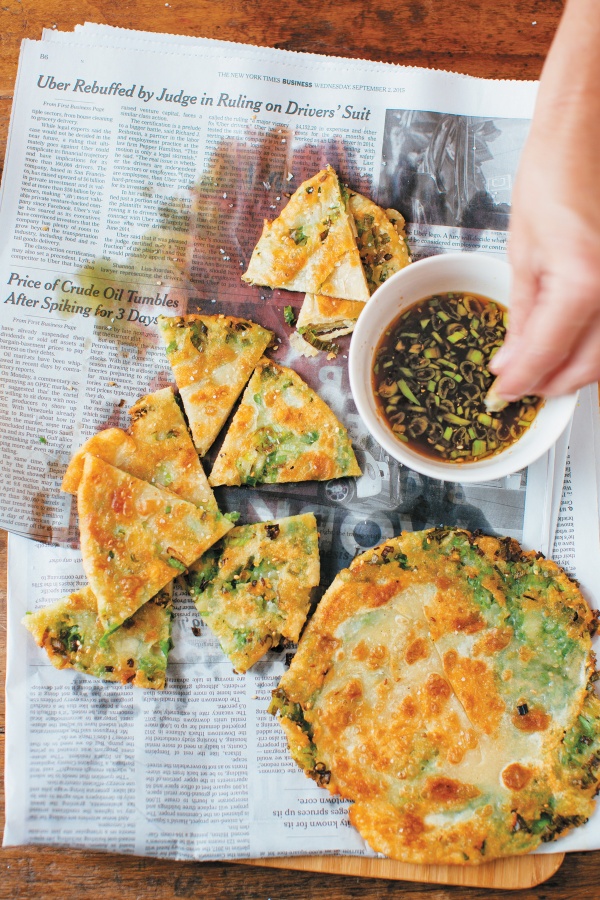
x=74 y=638
x=156 y=448
x=135 y=538
x=311 y=246
x=383 y=252
x=327 y=318
x=282 y=431
x=253 y=589
x=212 y=358
x=381 y=240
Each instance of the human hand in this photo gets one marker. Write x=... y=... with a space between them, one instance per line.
x=553 y=340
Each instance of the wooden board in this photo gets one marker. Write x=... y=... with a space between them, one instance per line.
x=509 y=874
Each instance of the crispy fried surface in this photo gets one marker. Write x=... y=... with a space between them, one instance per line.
x=212 y=358
x=254 y=588
x=135 y=538
x=328 y=315
x=381 y=240
x=74 y=638
x=281 y=432
x=444 y=685
x=311 y=246
x=157 y=448
x=383 y=251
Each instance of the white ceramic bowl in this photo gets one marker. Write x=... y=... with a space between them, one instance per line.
x=477 y=273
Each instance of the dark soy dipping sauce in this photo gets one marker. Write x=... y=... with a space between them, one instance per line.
x=430 y=379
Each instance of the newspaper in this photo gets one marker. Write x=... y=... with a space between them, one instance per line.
x=120 y=206
x=200 y=770
x=575 y=548
x=128 y=194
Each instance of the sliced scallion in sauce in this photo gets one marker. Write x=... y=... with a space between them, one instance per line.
x=430 y=379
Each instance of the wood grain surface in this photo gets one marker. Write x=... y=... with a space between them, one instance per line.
x=489 y=38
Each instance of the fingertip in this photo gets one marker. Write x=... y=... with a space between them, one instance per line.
x=506 y=395
x=510 y=388
x=495 y=364
x=500 y=358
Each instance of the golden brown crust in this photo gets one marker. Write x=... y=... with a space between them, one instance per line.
x=135 y=538
x=282 y=432
x=73 y=636
x=311 y=246
x=113 y=445
x=444 y=685
x=383 y=252
x=381 y=240
x=157 y=448
x=212 y=358
x=255 y=588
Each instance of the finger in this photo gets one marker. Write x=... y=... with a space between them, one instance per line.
x=523 y=296
x=550 y=335
x=581 y=368
x=524 y=288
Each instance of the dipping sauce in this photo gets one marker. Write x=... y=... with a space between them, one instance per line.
x=430 y=379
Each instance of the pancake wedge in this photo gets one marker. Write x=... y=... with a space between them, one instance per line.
x=212 y=358
x=311 y=246
x=135 y=538
x=74 y=638
x=381 y=240
x=156 y=448
x=383 y=252
x=281 y=432
x=445 y=686
x=254 y=587
x=327 y=318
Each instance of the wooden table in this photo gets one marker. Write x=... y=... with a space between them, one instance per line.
x=490 y=38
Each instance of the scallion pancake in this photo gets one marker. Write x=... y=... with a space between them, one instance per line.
x=383 y=252
x=212 y=358
x=282 y=432
x=73 y=636
x=311 y=245
x=254 y=587
x=157 y=448
x=135 y=538
x=381 y=240
x=445 y=686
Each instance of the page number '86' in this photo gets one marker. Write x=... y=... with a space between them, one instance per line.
x=43 y=56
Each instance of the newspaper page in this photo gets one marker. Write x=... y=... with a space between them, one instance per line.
x=128 y=194
x=576 y=545
x=544 y=482
x=117 y=208
x=576 y=536
x=200 y=770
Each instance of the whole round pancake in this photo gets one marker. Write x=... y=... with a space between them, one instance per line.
x=445 y=685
